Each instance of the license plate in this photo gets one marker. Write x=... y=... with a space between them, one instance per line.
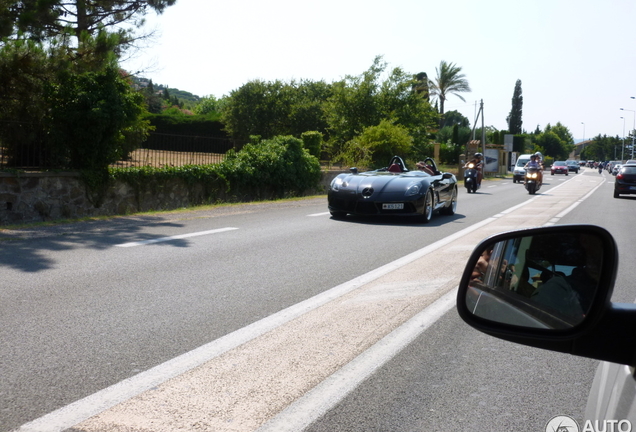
x=398 y=206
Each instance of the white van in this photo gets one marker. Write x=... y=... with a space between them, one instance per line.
x=518 y=172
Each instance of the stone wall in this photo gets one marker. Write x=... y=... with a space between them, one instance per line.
x=36 y=197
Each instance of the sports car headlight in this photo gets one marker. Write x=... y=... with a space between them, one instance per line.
x=413 y=189
x=335 y=184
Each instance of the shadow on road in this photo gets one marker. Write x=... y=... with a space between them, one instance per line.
x=25 y=249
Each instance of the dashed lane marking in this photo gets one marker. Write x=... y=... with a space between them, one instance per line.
x=176 y=237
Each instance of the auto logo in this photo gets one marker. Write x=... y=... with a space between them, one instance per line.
x=367 y=192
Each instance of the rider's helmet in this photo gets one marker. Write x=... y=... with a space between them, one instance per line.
x=479 y=156
x=539 y=155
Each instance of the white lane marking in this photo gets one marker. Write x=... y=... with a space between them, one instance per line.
x=83 y=409
x=558 y=217
x=318 y=214
x=328 y=393
x=176 y=237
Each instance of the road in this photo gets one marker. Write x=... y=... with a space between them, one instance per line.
x=86 y=306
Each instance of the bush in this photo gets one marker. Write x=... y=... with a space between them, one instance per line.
x=273 y=168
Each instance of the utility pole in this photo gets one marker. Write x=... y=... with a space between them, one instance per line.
x=483 y=131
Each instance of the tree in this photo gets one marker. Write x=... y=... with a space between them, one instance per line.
x=207 y=105
x=46 y=19
x=24 y=70
x=603 y=147
x=79 y=113
x=153 y=101
x=421 y=85
x=359 y=102
x=452 y=118
x=269 y=109
x=514 y=118
x=552 y=144
x=106 y=107
x=562 y=131
x=377 y=144
x=449 y=80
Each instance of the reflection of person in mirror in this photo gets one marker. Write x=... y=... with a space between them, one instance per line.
x=572 y=295
x=483 y=262
x=480 y=268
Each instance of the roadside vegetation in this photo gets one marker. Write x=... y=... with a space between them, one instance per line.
x=66 y=98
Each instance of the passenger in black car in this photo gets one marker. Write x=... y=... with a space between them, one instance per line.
x=423 y=166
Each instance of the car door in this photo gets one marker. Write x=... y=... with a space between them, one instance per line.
x=443 y=185
x=613 y=393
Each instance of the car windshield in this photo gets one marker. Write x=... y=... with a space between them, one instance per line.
x=559 y=163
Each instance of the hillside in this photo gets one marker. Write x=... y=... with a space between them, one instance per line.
x=159 y=88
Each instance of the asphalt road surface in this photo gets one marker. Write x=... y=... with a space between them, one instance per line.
x=276 y=316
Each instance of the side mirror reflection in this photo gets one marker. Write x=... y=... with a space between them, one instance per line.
x=541 y=281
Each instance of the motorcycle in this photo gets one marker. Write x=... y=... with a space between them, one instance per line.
x=533 y=180
x=471 y=177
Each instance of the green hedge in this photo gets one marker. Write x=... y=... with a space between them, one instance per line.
x=269 y=169
x=199 y=125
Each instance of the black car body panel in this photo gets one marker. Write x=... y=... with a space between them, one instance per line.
x=573 y=165
x=625 y=181
x=382 y=192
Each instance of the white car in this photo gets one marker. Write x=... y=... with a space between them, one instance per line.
x=519 y=173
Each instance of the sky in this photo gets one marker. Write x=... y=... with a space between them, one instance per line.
x=576 y=59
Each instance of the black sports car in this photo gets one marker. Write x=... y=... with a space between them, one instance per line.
x=394 y=190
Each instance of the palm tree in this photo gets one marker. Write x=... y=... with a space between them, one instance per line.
x=449 y=80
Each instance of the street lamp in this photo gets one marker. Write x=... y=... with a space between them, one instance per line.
x=583 y=142
x=623 y=150
x=583 y=130
x=633 y=130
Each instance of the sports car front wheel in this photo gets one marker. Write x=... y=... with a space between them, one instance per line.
x=429 y=205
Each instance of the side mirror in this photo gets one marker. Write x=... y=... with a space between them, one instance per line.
x=550 y=288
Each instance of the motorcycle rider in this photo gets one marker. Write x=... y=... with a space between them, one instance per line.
x=477 y=161
x=535 y=162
